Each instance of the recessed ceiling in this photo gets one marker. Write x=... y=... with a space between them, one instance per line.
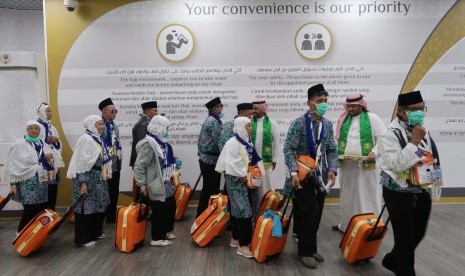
x=21 y=4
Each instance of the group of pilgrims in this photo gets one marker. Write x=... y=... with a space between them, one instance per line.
x=368 y=158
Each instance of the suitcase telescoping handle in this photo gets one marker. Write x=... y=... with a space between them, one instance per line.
x=68 y=213
x=380 y=234
x=5 y=201
x=195 y=186
x=289 y=198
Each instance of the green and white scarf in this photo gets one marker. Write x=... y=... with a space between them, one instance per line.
x=366 y=138
x=267 y=149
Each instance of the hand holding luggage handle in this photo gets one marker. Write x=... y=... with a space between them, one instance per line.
x=68 y=213
x=146 y=212
x=379 y=235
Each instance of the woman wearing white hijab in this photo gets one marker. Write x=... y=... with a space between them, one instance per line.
x=153 y=168
x=237 y=154
x=89 y=169
x=27 y=169
x=49 y=136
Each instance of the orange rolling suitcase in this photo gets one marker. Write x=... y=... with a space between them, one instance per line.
x=363 y=237
x=271 y=200
x=212 y=222
x=264 y=244
x=182 y=195
x=38 y=231
x=131 y=226
x=4 y=201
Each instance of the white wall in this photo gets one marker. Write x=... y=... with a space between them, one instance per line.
x=21 y=32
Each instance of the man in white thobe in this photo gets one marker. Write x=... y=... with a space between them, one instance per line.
x=265 y=137
x=357 y=134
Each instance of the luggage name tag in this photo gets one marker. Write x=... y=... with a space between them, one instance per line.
x=254 y=177
x=42 y=173
x=46 y=219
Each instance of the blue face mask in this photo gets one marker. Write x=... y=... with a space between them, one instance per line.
x=321 y=108
x=165 y=134
x=221 y=114
x=415 y=118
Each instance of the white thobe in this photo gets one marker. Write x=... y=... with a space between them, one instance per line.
x=266 y=184
x=360 y=189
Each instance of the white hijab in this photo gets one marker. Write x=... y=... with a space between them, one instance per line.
x=87 y=150
x=42 y=115
x=157 y=126
x=234 y=159
x=22 y=160
x=42 y=112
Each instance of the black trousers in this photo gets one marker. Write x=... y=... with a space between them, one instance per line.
x=52 y=196
x=30 y=211
x=113 y=191
x=242 y=230
x=87 y=227
x=308 y=208
x=409 y=215
x=211 y=185
x=162 y=219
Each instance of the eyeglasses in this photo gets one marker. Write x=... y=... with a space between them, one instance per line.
x=113 y=111
x=424 y=109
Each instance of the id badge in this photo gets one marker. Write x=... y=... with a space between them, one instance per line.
x=43 y=174
x=425 y=174
x=256 y=182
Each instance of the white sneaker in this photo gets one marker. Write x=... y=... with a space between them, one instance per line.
x=171 y=236
x=17 y=234
x=91 y=243
x=244 y=251
x=234 y=243
x=101 y=237
x=161 y=243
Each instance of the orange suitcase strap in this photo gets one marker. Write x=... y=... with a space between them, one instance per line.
x=217 y=219
x=124 y=227
x=270 y=201
x=181 y=196
x=353 y=234
x=29 y=237
x=260 y=237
